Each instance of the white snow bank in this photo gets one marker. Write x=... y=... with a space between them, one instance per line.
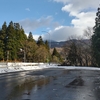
x=13 y=67
x=78 y=67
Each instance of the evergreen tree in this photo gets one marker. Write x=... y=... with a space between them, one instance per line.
x=56 y=55
x=47 y=45
x=31 y=48
x=15 y=40
x=11 y=43
x=20 y=40
x=72 y=54
x=3 y=37
x=17 y=26
x=30 y=37
x=96 y=40
x=1 y=48
x=14 y=44
x=40 y=41
x=3 y=34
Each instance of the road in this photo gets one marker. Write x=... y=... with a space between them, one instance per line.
x=50 y=84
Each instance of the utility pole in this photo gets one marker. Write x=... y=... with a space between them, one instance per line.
x=24 y=56
x=7 y=56
x=49 y=38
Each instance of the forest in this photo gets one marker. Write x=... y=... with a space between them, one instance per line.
x=16 y=46
x=80 y=52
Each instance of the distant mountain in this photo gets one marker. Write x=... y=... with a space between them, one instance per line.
x=62 y=43
x=57 y=44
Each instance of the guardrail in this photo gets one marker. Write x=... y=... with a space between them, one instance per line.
x=3 y=65
x=18 y=64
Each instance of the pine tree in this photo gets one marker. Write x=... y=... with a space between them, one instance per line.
x=40 y=41
x=30 y=37
x=47 y=45
x=31 y=48
x=72 y=54
x=14 y=40
x=3 y=37
x=96 y=40
x=11 y=43
x=56 y=55
x=20 y=39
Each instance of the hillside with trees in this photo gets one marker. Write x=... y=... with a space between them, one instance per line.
x=16 y=46
x=77 y=52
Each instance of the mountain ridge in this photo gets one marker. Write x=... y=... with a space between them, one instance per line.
x=60 y=44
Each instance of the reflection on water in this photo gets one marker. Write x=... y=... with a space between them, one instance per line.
x=64 y=85
x=25 y=89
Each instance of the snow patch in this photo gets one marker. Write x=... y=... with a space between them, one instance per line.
x=13 y=67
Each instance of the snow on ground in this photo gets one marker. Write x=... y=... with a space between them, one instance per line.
x=11 y=68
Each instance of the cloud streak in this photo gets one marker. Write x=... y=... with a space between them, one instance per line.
x=30 y=25
x=27 y=9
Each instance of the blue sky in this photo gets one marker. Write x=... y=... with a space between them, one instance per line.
x=21 y=9
x=60 y=18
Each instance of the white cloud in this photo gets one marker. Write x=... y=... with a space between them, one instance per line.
x=62 y=33
x=83 y=12
x=27 y=9
x=58 y=28
x=84 y=20
x=30 y=25
x=80 y=3
x=36 y=37
x=69 y=8
x=62 y=1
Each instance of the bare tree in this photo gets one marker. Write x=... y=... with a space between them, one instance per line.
x=77 y=51
x=88 y=32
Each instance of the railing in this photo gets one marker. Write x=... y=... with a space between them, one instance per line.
x=18 y=64
x=3 y=65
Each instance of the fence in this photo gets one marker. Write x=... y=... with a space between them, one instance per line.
x=18 y=64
